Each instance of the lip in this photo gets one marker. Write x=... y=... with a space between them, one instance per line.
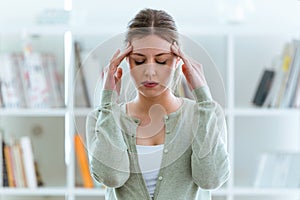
x=149 y=84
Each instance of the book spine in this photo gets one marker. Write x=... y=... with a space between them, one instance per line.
x=9 y=166
x=27 y=154
x=36 y=83
x=4 y=169
x=1 y=160
x=292 y=79
x=82 y=95
x=285 y=68
x=54 y=81
x=263 y=87
x=20 y=181
x=296 y=103
x=83 y=162
x=11 y=87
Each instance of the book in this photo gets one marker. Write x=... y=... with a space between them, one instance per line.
x=1 y=159
x=36 y=85
x=83 y=163
x=30 y=80
x=278 y=72
x=293 y=77
x=27 y=154
x=19 y=170
x=12 y=94
x=82 y=98
x=263 y=87
x=1 y=99
x=9 y=165
x=287 y=56
x=54 y=81
x=4 y=178
x=39 y=178
x=296 y=101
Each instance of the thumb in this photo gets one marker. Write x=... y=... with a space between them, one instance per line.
x=118 y=77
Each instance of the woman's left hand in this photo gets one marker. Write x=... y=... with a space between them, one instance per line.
x=192 y=70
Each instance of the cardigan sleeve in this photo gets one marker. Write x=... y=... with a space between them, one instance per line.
x=108 y=157
x=209 y=160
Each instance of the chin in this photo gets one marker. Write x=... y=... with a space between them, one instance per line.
x=153 y=92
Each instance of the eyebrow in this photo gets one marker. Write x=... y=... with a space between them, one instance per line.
x=157 y=55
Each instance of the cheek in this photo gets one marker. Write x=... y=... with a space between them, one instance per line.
x=136 y=74
x=165 y=73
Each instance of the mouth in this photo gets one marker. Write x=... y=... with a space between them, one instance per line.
x=149 y=84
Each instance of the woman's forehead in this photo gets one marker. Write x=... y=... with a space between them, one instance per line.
x=150 y=52
x=151 y=42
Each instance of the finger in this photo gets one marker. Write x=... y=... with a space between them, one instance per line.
x=177 y=51
x=196 y=65
x=117 y=57
x=112 y=67
x=123 y=55
x=118 y=76
x=183 y=66
x=119 y=73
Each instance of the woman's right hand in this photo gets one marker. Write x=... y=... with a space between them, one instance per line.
x=113 y=73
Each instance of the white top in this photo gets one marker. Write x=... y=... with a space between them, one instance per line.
x=149 y=160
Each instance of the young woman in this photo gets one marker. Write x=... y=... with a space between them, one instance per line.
x=157 y=146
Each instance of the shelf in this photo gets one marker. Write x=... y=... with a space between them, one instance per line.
x=235 y=50
x=266 y=191
x=219 y=192
x=48 y=112
x=34 y=29
x=36 y=191
x=101 y=192
x=89 y=192
x=263 y=112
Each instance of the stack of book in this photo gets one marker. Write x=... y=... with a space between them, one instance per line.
x=30 y=80
x=17 y=163
x=279 y=86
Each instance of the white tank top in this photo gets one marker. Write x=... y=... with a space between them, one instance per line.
x=149 y=158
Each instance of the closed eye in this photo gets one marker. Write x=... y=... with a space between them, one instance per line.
x=162 y=63
x=139 y=62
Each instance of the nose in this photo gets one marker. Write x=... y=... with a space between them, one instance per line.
x=150 y=70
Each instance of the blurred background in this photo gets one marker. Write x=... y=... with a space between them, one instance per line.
x=45 y=93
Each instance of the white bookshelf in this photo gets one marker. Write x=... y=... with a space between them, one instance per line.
x=33 y=112
x=240 y=54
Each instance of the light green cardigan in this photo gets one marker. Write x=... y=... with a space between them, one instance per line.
x=195 y=151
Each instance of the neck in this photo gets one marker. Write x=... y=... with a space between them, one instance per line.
x=167 y=100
